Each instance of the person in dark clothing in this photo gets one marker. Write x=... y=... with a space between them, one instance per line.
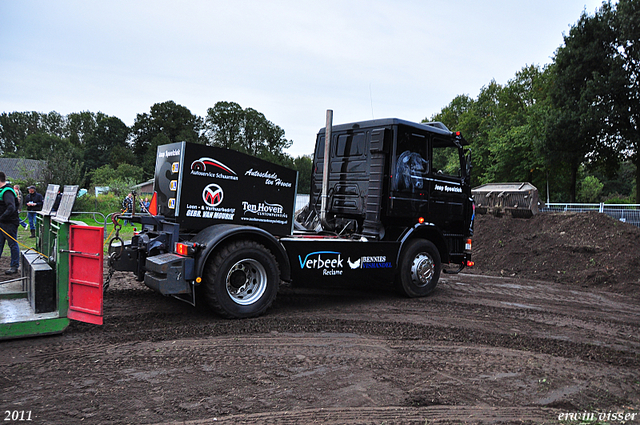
x=56 y=203
x=127 y=206
x=16 y=189
x=9 y=221
x=33 y=200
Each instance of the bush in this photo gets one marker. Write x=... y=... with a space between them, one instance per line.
x=590 y=189
x=618 y=199
x=105 y=204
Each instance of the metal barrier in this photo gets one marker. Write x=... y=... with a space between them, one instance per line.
x=628 y=213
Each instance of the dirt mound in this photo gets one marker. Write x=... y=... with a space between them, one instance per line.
x=587 y=249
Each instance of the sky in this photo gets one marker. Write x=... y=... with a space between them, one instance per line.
x=290 y=59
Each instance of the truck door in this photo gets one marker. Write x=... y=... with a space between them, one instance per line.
x=446 y=194
x=409 y=175
x=85 y=273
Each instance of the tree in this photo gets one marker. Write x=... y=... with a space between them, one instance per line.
x=100 y=146
x=63 y=169
x=590 y=189
x=223 y=125
x=303 y=165
x=80 y=126
x=596 y=92
x=175 y=122
x=229 y=126
x=624 y=81
x=106 y=175
x=14 y=129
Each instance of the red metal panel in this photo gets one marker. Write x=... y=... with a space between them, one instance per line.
x=85 y=273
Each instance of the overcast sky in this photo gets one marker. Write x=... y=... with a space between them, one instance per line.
x=290 y=60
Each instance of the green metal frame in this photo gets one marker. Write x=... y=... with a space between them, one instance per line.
x=52 y=240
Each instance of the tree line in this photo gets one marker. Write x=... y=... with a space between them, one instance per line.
x=87 y=148
x=570 y=126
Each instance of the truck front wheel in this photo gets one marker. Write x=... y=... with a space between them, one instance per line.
x=241 y=280
x=419 y=268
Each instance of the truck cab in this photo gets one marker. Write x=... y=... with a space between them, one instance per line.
x=387 y=175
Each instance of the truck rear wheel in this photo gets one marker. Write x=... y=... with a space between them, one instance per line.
x=241 y=280
x=419 y=268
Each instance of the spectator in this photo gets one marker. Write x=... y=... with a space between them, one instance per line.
x=127 y=206
x=144 y=205
x=16 y=189
x=34 y=203
x=9 y=222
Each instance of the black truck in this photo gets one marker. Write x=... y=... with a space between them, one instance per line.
x=390 y=201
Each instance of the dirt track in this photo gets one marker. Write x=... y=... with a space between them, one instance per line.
x=481 y=349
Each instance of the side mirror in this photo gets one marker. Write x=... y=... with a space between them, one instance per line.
x=468 y=164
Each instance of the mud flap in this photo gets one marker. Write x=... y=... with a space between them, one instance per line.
x=85 y=274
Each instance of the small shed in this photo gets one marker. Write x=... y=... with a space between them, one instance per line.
x=22 y=168
x=144 y=189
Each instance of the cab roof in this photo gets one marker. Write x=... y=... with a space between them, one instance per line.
x=431 y=127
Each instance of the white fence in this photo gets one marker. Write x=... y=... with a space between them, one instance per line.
x=301 y=201
x=629 y=213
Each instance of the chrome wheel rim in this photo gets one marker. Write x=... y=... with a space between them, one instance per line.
x=422 y=269
x=246 y=281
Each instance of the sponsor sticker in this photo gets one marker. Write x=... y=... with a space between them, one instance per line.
x=370 y=262
x=168 y=153
x=269 y=177
x=215 y=213
x=442 y=188
x=330 y=262
x=212 y=168
x=212 y=195
x=264 y=212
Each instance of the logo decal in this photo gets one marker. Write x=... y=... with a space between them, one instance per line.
x=370 y=262
x=269 y=178
x=327 y=261
x=212 y=195
x=203 y=163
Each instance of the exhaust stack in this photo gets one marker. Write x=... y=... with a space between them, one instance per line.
x=325 y=169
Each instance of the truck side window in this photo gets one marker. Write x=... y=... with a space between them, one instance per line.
x=411 y=164
x=320 y=148
x=446 y=159
x=350 y=144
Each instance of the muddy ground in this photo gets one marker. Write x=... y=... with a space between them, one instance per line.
x=545 y=326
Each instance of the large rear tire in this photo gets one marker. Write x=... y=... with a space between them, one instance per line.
x=241 y=280
x=420 y=267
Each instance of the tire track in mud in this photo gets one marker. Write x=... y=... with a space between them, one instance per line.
x=389 y=415
x=438 y=358
x=160 y=327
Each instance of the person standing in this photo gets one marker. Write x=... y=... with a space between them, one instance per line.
x=144 y=205
x=34 y=203
x=16 y=189
x=127 y=206
x=9 y=222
